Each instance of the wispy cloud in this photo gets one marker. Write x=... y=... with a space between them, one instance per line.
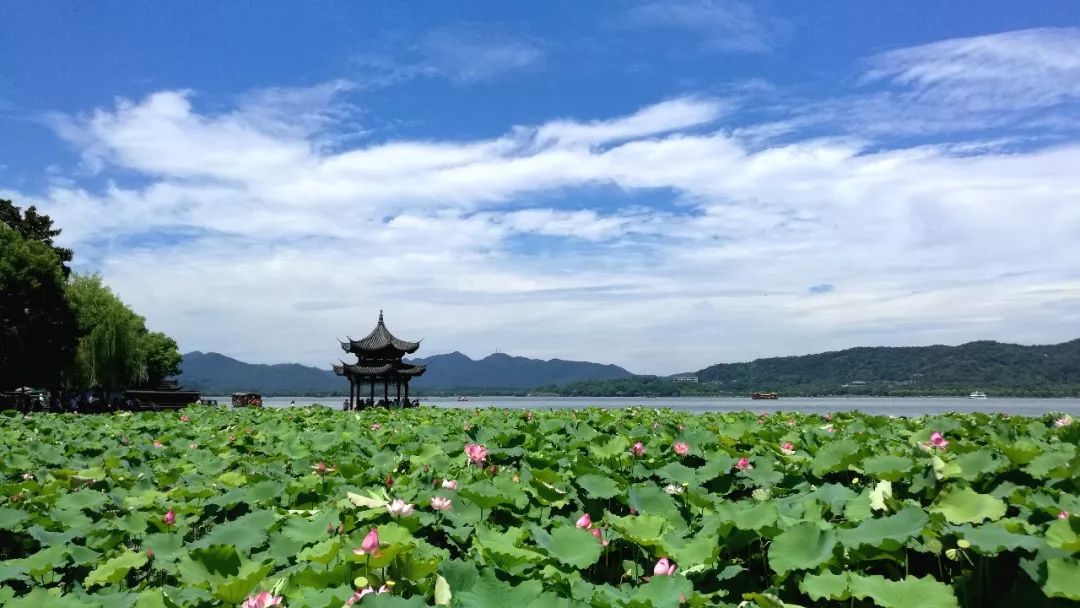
x=464 y=54
x=451 y=233
x=721 y=25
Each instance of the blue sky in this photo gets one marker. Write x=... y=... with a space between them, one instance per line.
x=662 y=185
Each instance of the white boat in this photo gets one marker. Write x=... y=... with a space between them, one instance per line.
x=977 y=395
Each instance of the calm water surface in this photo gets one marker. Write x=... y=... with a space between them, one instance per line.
x=898 y=406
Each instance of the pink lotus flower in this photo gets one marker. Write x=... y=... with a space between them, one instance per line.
x=1064 y=421
x=787 y=448
x=599 y=536
x=449 y=484
x=356 y=597
x=170 y=517
x=681 y=448
x=937 y=440
x=193 y=446
x=1063 y=515
x=375 y=426
x=399 y=508
x=388 y=482
x=263 y=599
x=184 y=419
x=791 y=422
x=743 y=464
x=477 y=453
x=441 y=504
x=828 y=428
x=369 y=545
x=149 y=554
x=159 y=445
x=27 y=476
x=663 y=567
x=584 y=522
x=828 y=417
x=322 y=468
x=638 y=449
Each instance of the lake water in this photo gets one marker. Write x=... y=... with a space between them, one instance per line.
x=899 y=406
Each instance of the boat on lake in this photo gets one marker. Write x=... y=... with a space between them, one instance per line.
x=977 y=395
x=765 y=396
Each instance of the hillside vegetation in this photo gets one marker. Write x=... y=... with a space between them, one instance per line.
x=993 y=367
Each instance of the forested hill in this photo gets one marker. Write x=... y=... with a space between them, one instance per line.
x=993 y=367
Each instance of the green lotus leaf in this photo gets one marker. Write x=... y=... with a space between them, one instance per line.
x=232 y=479
x=599 y=486
x=652 y=500
x=115 y=569
x=701 y=549
x=484 y=494
x=503 y=547
x=887 y=466
x=835 y=456
x=1062 y=578
x=11 y=519
x=803 y=546
x=1052 y=464
x=87 y=500
x=641 y=529
x=678 y=473
x=236 y=588
x=45 y=561
x=825 y=586
x=888 y=533
x=13 y=572
x=615 y=446
x=964 y=505
x=748 y=515
x=573 y=547
x=663 y=591
x=1064 y=534
x=321 y=553
x=993 y=538
x=245 y=532
x=910 y=591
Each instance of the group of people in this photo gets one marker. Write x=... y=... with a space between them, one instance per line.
x=90 y=402
x=366 y=403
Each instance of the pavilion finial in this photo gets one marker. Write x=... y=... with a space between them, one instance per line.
x=380 y=316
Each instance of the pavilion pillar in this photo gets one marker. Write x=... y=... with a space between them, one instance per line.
x=406 y=392
x=386 y=390
x=372 y=396
x=352 y=392
x=397 y=397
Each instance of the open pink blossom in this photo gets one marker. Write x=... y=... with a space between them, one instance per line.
x=828 y=428
x=159 y=445
x=477 y=453
x=441 y=504
x=369 y=545
x=169 y=518
x=1063 y=515
x=681 y=448
x=263 y=599
x=638 y=449
x=744 y=464
x=184 y=419
x=938 y=441
x=375 y=426
x=399 y=508
x=663 y=567
x=449 y=484
x=787 y=448
x=791 y=422
x=1064 y=421
x=584 y=522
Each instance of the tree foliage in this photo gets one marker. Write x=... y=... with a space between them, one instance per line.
x=34 y=227
x=111 y=353
x=162 y=357
x=37 y=326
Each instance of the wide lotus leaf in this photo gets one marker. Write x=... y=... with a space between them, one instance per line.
x=910 y=591
x=834 y=456
x=572 y=546
x=965 y=505
x=655 y=501
x=887 y=466
x=886 y=532
x=641 y=529
x=115 y=569
x=244 y=532
x=1052 y=464
x=662 y=592
x=978 y=463
x=11 y=518
x=599 y=486
x=1064 y=534
x=801 y=547
x=1062 y=578
x=993 y=538
x=83 y=499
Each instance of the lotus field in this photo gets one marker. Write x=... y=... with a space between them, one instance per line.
x=313 y=508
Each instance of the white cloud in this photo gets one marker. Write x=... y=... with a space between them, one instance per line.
x=254 y=240
x=1012 y=70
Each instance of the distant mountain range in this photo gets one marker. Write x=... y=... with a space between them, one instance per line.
x=994 y=367
x=213 y=373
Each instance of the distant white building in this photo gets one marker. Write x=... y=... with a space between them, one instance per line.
x=693 y=379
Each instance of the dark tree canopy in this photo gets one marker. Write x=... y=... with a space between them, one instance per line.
x=34 y=226
x=38 y=329
x=162 y=357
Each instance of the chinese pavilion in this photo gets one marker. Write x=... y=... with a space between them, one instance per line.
x=378 y=360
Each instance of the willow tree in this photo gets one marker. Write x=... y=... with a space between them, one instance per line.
x=111 y=353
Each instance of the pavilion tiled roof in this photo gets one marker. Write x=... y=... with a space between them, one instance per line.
x=379 y=340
